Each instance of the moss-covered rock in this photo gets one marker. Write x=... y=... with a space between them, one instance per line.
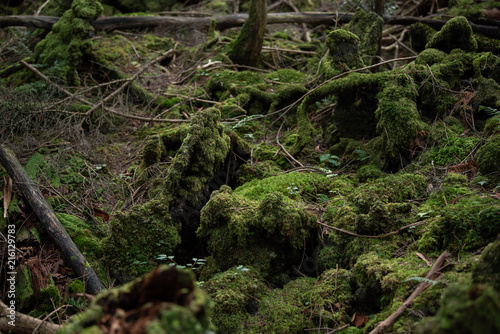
x=303 y=302
x=487 y=269
x=138 y=237
x=368 y=27
x=488 y=156
x=69 y=41
x=235 y=294
x=344 y=50
x=268 y=235
x=456 y=33
x=164 y=301
x=399 y=122
x=420 y=35
x=466 y=309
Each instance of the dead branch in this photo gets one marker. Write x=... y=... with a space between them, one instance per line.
x=49 y=221
x=23 y=323
x=433 y=274
x=488 y=28
x=284 y=149
x=375 y=236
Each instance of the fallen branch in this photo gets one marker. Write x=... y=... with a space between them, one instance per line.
x=487 y=28
x=23 y=323
x=433 y=274
x=284 y=149
x=111 y=110
x=49 y=221
x=375 y=236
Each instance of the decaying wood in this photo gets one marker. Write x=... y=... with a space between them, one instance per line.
x=49 y=221
x=433 y=274
x=489 y=28
x=24 y=323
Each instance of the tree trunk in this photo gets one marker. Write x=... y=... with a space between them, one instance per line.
x=245 y=50
x=49 y=221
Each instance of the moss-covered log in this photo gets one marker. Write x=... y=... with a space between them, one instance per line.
x=50 y=222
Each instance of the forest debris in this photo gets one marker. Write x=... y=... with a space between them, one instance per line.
x=24 y=323
x=49 y=221
x=433 y=274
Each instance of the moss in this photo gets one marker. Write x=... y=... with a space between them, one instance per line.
x=487 y=94
x=235 y=293
x=295 y=185
x=69 y=41
x=200 y=156
x=302 y=303
x=465 y=226
x=240 y=231
x=76 y=286
x=430 y=56
x=398 y=119
x=473 y=10
x=368 y=27
x=466 y=309
x=82 y=235
x=487 y=269
x=488 y=156
x=344 y=50
x=368 y=172
x=420 y=35
x=456 y=33
x=138 y=236
x=492 y=126
x=170 y=298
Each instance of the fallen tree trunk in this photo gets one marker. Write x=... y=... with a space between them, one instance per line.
x=489 y=28
x=50 y=222
x=23 y=323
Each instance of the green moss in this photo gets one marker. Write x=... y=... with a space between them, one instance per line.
x=487 y=269
x=76 y=286
x=171 y=298
x=398 y=119
x=368 y=172
x=430 y=56
x=82 y=235
x=456 y=33
x=234 y=292
x=239 y=231
x=368 y=27
x=344 y=50
x=488 y=156
x=420 y=35
x=467 y=309
x=138 y=236
x=295 y=185
x=69 y=41
x=466 y=225
x=303 y=302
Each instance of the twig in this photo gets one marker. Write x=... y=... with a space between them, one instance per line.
x=376 y=236
x=289 y=107
x=284 y=149
x=48 y=315
x=433 y=274
x=65 y=91
x=130 y=80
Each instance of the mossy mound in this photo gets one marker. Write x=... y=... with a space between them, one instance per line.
x=466 y=309
x=303 y=302
x=138 y=237
x=268 y=235
x=368 y=27
x=487 y=269
x=455 y=34
x=235 y=294
x=164 y=301
x=488 y=156
x=344 y=50
x=69 y=41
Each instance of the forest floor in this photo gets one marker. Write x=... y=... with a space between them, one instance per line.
x=336 y=183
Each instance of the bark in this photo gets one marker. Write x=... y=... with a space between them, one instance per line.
x=245 y=50
x=49 y=221
x=23 y=323
x=488 y=28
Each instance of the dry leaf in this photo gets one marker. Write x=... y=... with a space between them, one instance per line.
x=422 y=256
x=359 y=320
